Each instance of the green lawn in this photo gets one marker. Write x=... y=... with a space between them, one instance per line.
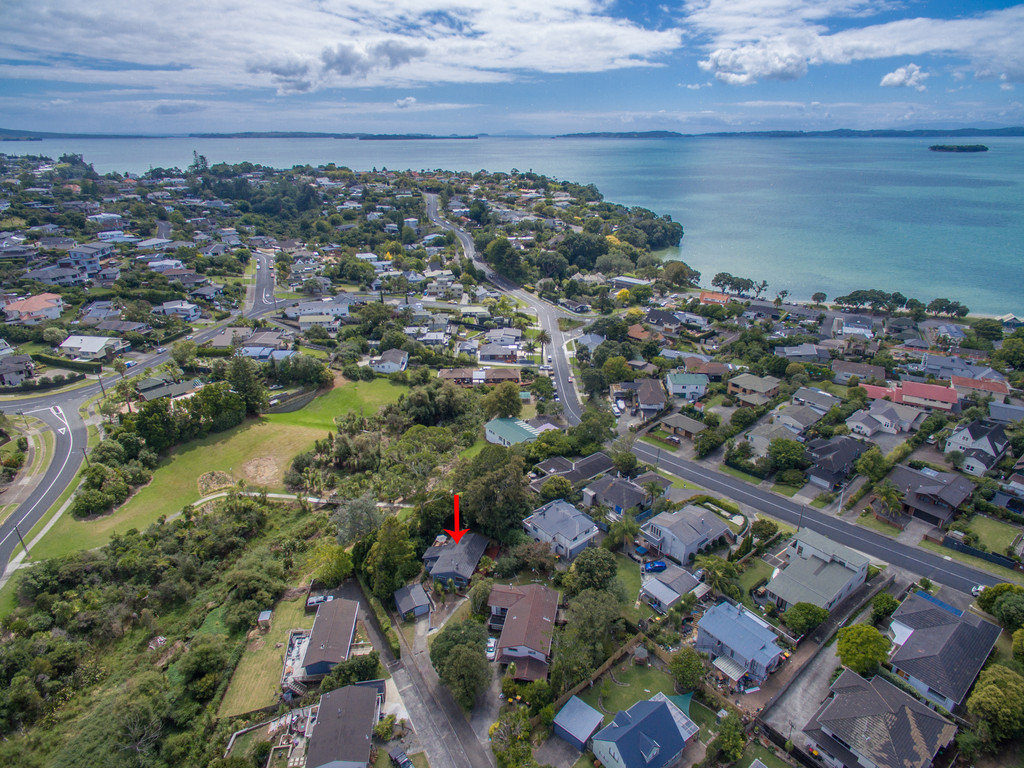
x=785 y=490
x=757 y=752
x=317 y=353
x=257 y=677
x=1003 y=652
x=739 y=474
x=628 y=572
x=258 y=451
x=975 y=562
x=819 y=503
x=876 y=525
x=9 y=594
x=641 y=682
x=757 y=569
x=994 y=534
x=474 y=449
x=678 y=482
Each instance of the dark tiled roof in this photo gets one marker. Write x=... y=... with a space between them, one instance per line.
x=333 y=630
x=456 y=558
x=344 y=727
x=944 y=651
x=881 y=722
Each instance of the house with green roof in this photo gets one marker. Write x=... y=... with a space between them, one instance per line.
x=689 y=386
x=509 y=432
x=820 y=572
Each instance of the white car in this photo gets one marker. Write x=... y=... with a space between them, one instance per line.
x=492 y=648
x=978 y=589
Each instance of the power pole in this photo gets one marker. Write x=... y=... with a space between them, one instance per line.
x=17 y=531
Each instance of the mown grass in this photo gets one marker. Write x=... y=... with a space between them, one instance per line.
x=994 y=534
x=639 y=682
x=876 y=525
x=739 y=474
x=755 y=751
x=974 y=562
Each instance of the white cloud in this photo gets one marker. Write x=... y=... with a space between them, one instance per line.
x=910 y=76
x=307 y=45
x=750 y=40
x=408 y=101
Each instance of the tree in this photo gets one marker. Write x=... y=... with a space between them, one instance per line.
x=883 y=606
x=680 y=273
x=458 y=657
x=818 y=297
x=719 y=573
x=862 y=648
x=503 y=401
x=687 y=668
x=1009 y=609
x=332 y=564
x=594 y=568
x=803 y=617
x=731 y=738
x=889 y=495
x=872 y=464
x=183 y=353
x=987 y=599
x=478 y=595
x=1018 y=645
x=543 y=338
x=785 y=454
x=388 y=558
x=998 y=701
x=54 y=336
x=625 y=463
x=243 y=375
x=764 y=529
x=354 y=670
x=356 y=518
x=616 y=369
x=556 y=487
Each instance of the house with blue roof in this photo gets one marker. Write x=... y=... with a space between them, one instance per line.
x=650 y=734
x=560 y=525
x=743 y=646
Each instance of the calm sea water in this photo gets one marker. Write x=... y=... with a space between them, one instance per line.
x=804 y=214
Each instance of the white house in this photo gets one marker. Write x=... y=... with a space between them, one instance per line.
x=35 y=309
x=684 y=533
x=183 y=309
x=390 y=361
x=688 y=386
x=93 y=347
x=982 y=444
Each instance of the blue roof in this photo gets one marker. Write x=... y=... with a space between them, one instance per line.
x=935 y=601
x=738 y=629
x=579 y=719
x=649 y=733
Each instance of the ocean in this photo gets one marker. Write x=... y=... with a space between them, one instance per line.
x=805 y=214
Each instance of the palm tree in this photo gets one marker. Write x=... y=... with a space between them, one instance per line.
x=889 y=495
x=542 y=338
x=718 y=572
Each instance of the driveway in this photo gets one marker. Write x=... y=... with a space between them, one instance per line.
x=804 y=694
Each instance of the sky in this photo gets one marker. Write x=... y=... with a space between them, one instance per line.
x=508 y=66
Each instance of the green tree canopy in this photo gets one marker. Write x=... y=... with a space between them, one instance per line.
x=687 y=668
x=998 y=701
x=503 y=401
x=803 y=617
x=862 y=648
x=594 y=568
x=883 y=606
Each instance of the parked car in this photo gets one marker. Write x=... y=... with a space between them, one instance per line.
x=399 y=758
x=655 y=566
x=978 y=589
x=492 y=648
x=161 y=350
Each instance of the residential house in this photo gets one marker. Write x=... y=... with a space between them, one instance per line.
x=843 y=371
x=650 y=397
x=227 y=338
x=449 y=560
x=832 y=460
x=711 y=297
x=819 y=571
x=575 y=472
x=760 y=437
x=497 y=353
x=804 y=353
x=629 y=283
x=616 y=493
x=872 y=722
x=14 y=369
x=187 y=311
x=885 y=416
x=744 y=647
x=982 y=442
x=330 y=641
x=689 y=386
x=591 y=341
x=753 y=390
x=798 y=418
x=683 y=534
x=1004 y=413
x=822 y=402
x=683 y=426
x=66 y=277
x=509 y=432
x=978 y=388
x=939 y=650
x=930 y=396
x=561 y=525
x=471 y=377
x=330 y=323
x=337 y=306
x=6 y=349
x=390 y=361
x=929 y=495
x=207 y=293
x=93 y=347
x=525 y=616
x=650 y=734
x=577 y=722
x=412 y=601
x=343 y=730
x=664 y=589
x=86 y=257
x=97 y=311
x=944 y=368
x=854 y=325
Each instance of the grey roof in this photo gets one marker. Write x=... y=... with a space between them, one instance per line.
x=1005 y=413
x=344 y=728
x=574 y=471
x=944 y=651
x=560 y=518
x=678 y=580
x=834 y=456
x=829 y=547
x=888 y=726
x=684 y=423
x=816 y=398
x=810 y=580
x=410 y=597
x=738 y=629
x=579 y=719
x=924 y=489
x=617 y=492
x=333 y=630
x=803 y=415
x=692 y=524
x=456 y=558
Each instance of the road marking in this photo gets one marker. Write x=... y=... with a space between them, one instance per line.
x=62 y=430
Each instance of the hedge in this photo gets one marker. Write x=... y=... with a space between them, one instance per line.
x=214 y=352
x=34 y=385
x=383 y=619
x=71 y=365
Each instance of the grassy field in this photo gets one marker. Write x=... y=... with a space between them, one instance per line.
x=739 y=474
x=474 y=449
x=785 y=490
x=9 y=594
x=974 y=562
x=255 y=683
x=757 y=752
x=640 y=683
x=870 y=521
x=994 y=534
x=678 y=482
x=258 y=451
x=317 y=353
x=628 y=572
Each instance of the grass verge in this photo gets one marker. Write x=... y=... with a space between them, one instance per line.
x=876 y=525
x=974 y=562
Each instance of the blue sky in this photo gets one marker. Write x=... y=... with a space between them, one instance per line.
x=491 y=66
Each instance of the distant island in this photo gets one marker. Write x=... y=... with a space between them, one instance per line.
x=407 y=137
x=840 y=133
x=625 y=135
x=958 y=148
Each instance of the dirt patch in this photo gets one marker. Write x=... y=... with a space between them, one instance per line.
x=212 y=482
x=293 y=593
x=256 y=644
x=264 y=470
x=169 y=654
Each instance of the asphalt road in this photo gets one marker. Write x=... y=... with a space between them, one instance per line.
x=938 y=568
x=263 y=292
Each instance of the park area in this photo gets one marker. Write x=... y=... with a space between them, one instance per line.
x=258 y=451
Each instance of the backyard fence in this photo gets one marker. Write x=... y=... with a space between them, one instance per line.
x=992 y=557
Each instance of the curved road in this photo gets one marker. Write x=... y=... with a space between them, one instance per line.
x=938 y=568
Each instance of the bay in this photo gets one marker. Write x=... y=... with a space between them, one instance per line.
x=805 y=214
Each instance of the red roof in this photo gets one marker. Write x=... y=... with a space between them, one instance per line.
x=984 y=385
x=710 y=297
x=930 y=392
x=880 y=393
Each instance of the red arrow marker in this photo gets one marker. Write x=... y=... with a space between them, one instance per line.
x=458 y=533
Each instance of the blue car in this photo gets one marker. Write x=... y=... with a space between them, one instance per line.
x=655 y=567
